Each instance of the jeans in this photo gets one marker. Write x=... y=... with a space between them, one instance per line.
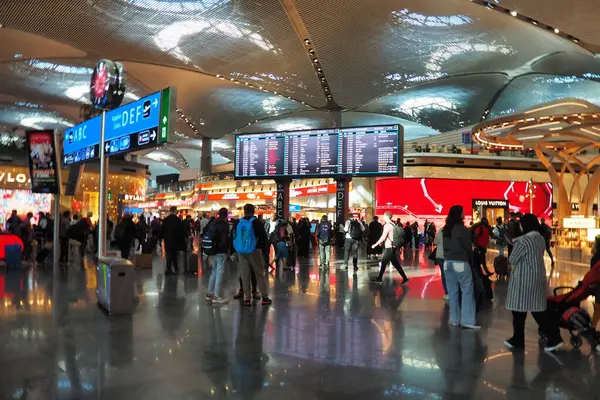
x=440 y=262
x=390 y=256
x=253 y=262
x=216 y=276
x=351 y=248
x=460 y=279
x=501 y=251
x=324 y=254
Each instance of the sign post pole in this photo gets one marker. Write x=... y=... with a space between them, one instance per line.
x=282 y=202
x=102 y=212
x=342 y=203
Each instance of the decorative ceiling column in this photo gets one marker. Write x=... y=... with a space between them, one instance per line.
x=565 y=136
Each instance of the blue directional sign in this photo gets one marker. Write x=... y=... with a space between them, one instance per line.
x=139 y=124
x=81 y=142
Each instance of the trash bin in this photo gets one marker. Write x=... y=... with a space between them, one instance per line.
x=115 y=290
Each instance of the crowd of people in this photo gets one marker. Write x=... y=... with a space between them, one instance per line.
x=458 y=250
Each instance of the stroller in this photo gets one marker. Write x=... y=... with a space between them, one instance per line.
x=564 y=309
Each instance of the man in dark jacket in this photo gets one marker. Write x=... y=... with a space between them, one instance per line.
x=375 y=231
x=126 y=235
x=173 y=233
x=63 y=234
x=220 y=233
x=254 y=260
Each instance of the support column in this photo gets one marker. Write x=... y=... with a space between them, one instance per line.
x=103 y=192
x=282 y=201
x=342 y=200
x=335 y=118
x=206 y=157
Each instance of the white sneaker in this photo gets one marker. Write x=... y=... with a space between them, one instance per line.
x=473 y=327
x=550 y=349
x=219 y=300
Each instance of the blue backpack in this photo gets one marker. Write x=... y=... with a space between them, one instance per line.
x=245 y=238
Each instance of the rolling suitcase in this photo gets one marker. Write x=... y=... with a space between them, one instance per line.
x=191 y=263
x=12 y=256
x=501 y=266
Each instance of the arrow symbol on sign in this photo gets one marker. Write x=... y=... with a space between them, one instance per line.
x=155 y=103
x=153 y=135
x=165 y=119
x=107 y=147
x=65 y=159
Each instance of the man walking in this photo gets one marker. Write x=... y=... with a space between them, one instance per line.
x=173 y=233
x=354 y=234
x=218 y=231
x=324 y=234
x=392 y=239
x=249 y=240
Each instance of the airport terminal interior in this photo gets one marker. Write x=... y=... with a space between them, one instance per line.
x=301 y=199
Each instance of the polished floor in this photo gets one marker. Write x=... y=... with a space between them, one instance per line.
x=328 y=335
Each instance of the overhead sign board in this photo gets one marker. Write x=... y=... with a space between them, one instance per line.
x=140 y=124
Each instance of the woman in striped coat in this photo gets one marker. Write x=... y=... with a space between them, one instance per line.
x=527 y=287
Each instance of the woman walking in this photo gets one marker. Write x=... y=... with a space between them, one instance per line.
x=527 y=287
x=458 y=258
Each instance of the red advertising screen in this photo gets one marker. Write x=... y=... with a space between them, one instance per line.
x=417 y=199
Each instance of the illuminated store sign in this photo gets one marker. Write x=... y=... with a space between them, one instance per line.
x=8 y=177
x=579 y=223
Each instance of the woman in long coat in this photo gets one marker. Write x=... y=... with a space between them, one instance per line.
x=527 y=287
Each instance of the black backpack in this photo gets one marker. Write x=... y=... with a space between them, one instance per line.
x=355 y=230
x=398 y=240
x=209 y=240
x=324 y=233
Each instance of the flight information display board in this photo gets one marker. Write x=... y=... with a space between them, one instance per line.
x=371 y=150
x=312 y=152
x=260 y=155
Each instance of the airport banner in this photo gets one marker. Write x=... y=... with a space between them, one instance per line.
x=41 y=154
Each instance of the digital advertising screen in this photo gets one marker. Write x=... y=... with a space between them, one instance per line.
x=366 y=151
x=313 y=152
x=418 y=199
x=371 y=150
x=260 y=155
x=42 y=162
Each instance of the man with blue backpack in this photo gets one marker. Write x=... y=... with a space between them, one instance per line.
x=324 y=234
x=249 y=239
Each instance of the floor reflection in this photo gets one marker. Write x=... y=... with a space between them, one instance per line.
x=328 y=334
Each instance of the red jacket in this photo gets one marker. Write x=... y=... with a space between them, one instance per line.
x=482 y=236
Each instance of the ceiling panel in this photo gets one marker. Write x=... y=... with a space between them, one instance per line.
x=531 y=90
x=224 y=106
x=390 y=44
x=320 y=119
x=443 y=105
x=251 y=40
x=575 y=17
